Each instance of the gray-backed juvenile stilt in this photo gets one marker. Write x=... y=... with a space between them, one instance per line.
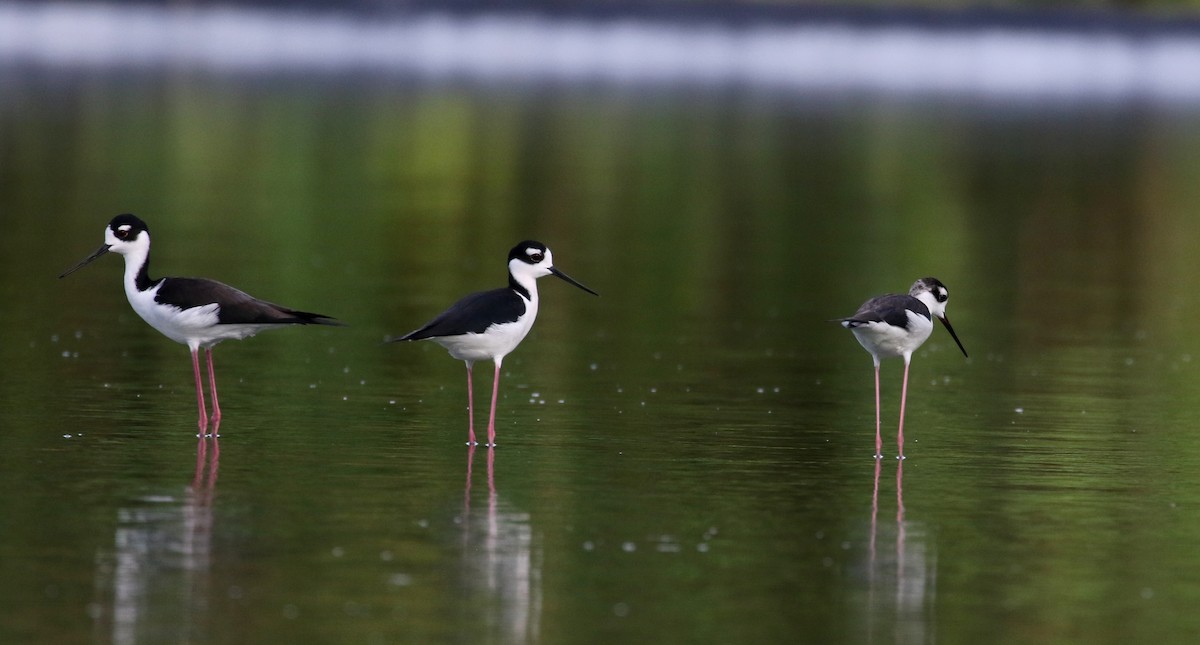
x=896 y=325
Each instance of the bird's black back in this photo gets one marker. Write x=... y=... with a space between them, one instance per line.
x=236 y=306
x=891 y=309
x=472 y=314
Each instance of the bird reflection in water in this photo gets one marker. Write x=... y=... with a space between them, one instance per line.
x=502 y=565
x=154 y=584
x=901 y=583
x=204 y=482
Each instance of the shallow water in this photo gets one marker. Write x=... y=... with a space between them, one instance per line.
x=684 y=459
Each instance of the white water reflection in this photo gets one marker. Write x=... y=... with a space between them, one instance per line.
x=154 y=584
x=1055 y=62
x=901 y=573
x=503 y=565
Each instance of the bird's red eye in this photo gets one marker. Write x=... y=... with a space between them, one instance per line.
x=536 y=257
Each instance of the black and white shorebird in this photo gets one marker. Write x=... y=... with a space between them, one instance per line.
x=194 y=311
x=490 y=324
x=896 y=325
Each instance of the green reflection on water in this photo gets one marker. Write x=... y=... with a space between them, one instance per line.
x=685 y=459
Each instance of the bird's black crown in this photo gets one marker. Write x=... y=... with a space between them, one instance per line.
x=127 y=226
x=932 y=285
x=529 y=251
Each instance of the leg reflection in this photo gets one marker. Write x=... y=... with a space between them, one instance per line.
x=502 y=572
x=901 y=584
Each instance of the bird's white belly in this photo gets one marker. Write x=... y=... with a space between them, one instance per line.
x=194 y=327
x=884 y=340
x=496 y=342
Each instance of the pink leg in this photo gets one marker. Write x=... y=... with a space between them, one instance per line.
x=492 y=418
x=903 y=399
x=470 y=408
x=212 y=384
x=199 y=391
x=878 y=436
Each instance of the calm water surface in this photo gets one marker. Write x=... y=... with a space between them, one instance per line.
x=686 y=458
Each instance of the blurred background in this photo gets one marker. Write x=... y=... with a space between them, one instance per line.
x=686 y=458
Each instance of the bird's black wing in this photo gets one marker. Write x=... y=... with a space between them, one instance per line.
x=235 y=306
x=472 y=314
x=891 y=309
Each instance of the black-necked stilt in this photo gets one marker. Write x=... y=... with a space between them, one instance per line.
x=896 y=325
x=490 y=324
x=193 y=311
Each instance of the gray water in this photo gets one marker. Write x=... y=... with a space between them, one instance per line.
x=686 y=458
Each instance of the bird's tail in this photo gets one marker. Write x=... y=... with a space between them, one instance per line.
x=308 y=318
x=848 y=323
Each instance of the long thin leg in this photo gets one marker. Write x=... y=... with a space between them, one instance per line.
x=199 y=390
x=878 y=436
x=470 y=408
x=212 y=384
x=492 y=417
x=903 y=399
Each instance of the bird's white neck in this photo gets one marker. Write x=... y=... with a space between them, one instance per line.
x=522 y=279
x=935 y=308
x=137 y=271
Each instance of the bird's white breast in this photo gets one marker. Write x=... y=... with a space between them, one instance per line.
x=194 y=326
x=884 y=340
x=496 y=342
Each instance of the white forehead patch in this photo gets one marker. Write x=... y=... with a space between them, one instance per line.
x=531 y=251
x=124 y=228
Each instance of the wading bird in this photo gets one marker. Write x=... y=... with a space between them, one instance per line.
x=193 y=311
x=490 y=324
x=896 y=325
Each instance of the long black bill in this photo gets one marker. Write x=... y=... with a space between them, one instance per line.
x=946 y=323
x=100 y=251
x=571 y=280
